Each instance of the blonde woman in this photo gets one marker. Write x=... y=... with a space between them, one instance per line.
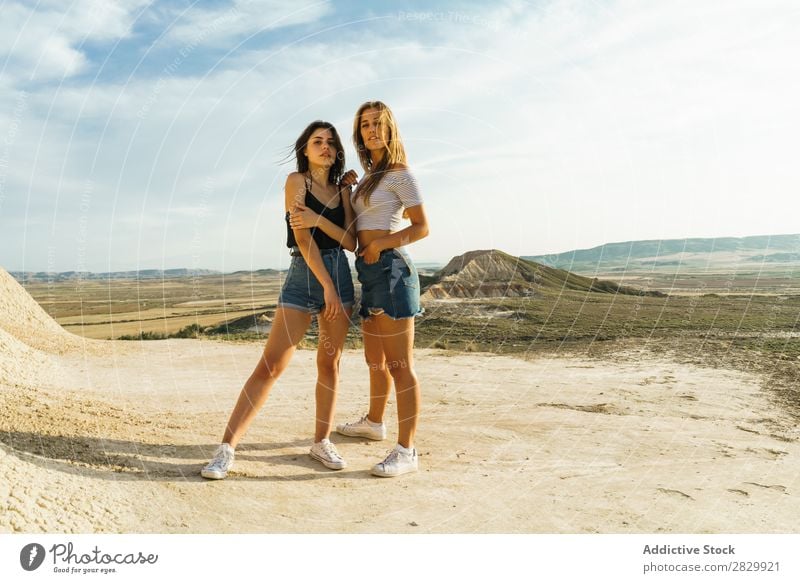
x=389 y=281
x=318 y=283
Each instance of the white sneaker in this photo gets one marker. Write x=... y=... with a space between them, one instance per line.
x=399 y=461
x=363 y=428
x=325 y=452
x=218 y=467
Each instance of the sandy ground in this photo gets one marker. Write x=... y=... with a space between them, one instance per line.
x=112 y=440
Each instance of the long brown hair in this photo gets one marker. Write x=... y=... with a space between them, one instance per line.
x=394 y=153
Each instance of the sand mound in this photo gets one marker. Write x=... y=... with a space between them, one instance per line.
x=37 y=356
x=21 y=364
x=25 y=320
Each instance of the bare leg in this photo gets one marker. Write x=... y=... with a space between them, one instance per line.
x=288 y=329
x=380 y=381
x=397 y=337
x=329 y=353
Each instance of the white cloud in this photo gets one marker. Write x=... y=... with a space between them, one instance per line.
x=96 y=19
x=241 y=18
x=44 y=41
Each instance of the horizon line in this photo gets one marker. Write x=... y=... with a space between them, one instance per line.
x=428 y=262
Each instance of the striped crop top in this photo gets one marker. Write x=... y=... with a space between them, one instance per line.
x=397 y=190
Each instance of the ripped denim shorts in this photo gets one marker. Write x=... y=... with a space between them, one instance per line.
x=389 y=286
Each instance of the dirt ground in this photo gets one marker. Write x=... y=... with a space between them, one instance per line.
x=112 y=440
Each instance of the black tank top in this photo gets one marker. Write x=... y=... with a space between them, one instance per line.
x=334 y=215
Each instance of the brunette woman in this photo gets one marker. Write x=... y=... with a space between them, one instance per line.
x=318 y=283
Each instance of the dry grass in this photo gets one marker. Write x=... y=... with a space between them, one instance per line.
x=115 y=308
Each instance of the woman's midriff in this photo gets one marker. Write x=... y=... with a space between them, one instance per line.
x=368 y=236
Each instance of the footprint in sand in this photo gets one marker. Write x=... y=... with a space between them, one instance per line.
x=776 y=487
x=740 y=492
x=674 y=493
x=768 y=453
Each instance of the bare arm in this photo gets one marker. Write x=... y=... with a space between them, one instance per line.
x=294 y=192
x=303 y=217
x=418 y=229
x=349 y=218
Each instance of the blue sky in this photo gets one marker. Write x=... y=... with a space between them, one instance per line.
x=139 y=134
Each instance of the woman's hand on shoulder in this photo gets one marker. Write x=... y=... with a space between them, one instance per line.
x=350 y=178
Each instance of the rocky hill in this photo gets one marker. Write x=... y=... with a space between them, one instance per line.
x=493 y=273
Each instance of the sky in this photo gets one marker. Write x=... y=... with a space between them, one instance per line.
x=140 y=134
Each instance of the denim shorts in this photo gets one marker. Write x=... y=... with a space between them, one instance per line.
x=302 y=290
x=389 y=286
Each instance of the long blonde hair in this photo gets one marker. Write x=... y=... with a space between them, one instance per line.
x=394 y=154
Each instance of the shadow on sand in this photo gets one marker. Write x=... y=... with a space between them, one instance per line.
x=120 y=460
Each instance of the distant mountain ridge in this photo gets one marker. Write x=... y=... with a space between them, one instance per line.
x=44 y=276
x=690 y=253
